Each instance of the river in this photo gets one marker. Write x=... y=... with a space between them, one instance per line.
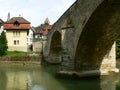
x=43 y=78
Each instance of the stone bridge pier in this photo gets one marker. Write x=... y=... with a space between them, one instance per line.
x=82 y=39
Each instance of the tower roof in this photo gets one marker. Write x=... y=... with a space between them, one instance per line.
x=47 y=21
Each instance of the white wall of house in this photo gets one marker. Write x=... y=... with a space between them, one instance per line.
x=17 y=40
x=30 y=37
x=1 y=29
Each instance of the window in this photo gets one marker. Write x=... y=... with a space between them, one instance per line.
x=16 y=23
x=16 y=33
x=31 y=35
x=16 y=42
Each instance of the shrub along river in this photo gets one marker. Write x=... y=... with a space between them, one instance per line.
x=37 y=77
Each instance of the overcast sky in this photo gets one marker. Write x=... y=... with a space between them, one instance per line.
x=34 y=11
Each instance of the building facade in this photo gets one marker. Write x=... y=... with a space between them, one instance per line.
x=43 y=30
x=17 y=29
x=1 y=25
x=41 y=36
x=30 y=37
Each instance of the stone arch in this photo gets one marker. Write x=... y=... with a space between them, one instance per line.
x=98 y=36
x=55 y=46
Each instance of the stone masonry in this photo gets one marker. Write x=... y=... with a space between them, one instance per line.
x=88 y=30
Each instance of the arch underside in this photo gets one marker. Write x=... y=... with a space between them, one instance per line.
x=98 y=35
x=55 y=49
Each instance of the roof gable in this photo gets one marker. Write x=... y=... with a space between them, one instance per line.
x=18 y=19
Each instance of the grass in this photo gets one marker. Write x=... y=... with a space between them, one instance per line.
x=16 y=53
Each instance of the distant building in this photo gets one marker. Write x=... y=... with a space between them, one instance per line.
x=43 y=30
x=30 y=37
x=17 y=29
x=41 y=36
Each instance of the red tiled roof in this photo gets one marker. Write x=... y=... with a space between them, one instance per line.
x=44 y=29
x=18 y=19
x=17 y=23
x=12 y=26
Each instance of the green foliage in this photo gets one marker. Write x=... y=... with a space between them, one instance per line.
x=118 y=47
x=3 y=44
x=16 y=53
x=38 y=27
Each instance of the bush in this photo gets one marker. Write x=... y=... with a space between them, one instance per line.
x=3 y=44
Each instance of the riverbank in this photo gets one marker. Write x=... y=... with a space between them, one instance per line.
x=20 y=60
x=23 y=63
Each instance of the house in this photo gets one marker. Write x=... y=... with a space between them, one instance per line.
x=17 y=29
x=43 y=30
x=1 y=25
x=30 y=37
x=41 y=36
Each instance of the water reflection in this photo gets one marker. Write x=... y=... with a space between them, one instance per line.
x=42 y=78
x=16 y=80
x=109 y=82
x=2 y=80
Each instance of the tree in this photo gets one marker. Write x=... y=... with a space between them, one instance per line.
x=3 y=44
x=37 y=27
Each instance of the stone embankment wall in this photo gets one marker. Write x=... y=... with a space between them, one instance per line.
x=20 y=58
x=37 y=45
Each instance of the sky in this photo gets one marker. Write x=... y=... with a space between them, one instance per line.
x=35 y=11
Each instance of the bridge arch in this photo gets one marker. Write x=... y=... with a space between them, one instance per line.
x=55 y=46
x=89 y=35
x=97 y=38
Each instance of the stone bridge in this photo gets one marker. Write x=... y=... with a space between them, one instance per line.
x=83 y=38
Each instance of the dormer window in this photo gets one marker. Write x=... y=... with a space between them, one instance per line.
x=16 y=23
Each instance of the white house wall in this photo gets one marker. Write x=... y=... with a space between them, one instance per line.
x=22 y=41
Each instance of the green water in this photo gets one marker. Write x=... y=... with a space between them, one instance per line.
x=43 y=78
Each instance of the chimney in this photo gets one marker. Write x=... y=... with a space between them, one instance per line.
x=19 y=15
x=8 y=18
